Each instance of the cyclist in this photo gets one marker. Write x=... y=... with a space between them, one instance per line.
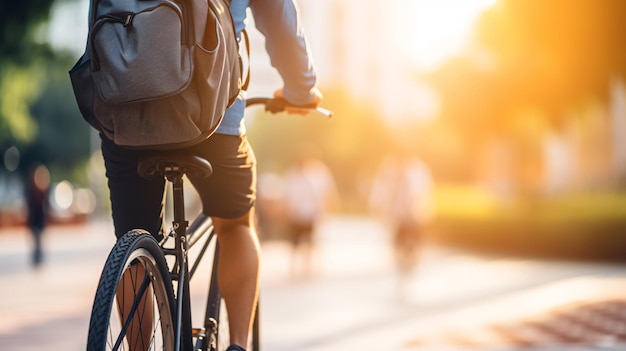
x=402 y=195
x=227 y=196
x=310 y=192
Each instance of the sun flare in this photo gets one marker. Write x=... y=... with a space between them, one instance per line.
x=436 y=30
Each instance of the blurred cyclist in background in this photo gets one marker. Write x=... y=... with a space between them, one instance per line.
x=310 y=192
x=402 y=198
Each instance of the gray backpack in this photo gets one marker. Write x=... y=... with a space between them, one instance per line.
x=158 y=74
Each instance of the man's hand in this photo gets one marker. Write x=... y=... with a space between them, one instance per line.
x=317 y=97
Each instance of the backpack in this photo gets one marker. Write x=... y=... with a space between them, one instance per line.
x=158 y=74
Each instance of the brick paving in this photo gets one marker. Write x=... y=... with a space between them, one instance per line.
x=584 y=325
x=600 y=324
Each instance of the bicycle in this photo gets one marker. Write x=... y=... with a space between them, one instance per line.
x=142 y=301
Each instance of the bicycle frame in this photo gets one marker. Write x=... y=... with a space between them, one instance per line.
x=185 y=237
x=168 y=268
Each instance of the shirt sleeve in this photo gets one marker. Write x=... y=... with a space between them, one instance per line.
x=279 y=22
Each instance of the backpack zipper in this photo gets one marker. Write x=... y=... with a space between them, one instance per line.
x=126 y=19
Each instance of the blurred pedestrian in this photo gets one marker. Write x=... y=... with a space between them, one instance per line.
x=37 y=188
x=269 y=205
x=402 y=197
x=310 y=192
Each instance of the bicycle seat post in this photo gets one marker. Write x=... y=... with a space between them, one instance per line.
x=173 y=166
x=175 y=175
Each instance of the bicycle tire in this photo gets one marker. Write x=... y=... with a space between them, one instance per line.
x=135 y=250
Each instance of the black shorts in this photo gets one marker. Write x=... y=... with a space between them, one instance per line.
x=229 y=192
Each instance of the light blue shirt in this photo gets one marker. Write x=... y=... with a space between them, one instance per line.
x=278 y=21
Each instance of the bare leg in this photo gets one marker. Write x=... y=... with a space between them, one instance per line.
x=238 y=273
x=37 y=251
x=306 y=252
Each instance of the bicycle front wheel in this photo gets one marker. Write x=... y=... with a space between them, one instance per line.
x=134 y=302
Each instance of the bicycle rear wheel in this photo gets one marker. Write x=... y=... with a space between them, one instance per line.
x=134 y=302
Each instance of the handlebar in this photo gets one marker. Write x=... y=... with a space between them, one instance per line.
x=276 y=105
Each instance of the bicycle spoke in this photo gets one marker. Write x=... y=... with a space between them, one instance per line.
x=138 y=297
x=133 y=309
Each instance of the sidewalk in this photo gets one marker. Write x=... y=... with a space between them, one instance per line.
x=458 y=300
x=583 y=313
x=48 y=307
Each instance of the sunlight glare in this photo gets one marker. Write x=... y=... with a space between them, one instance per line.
x=67 y=29
x=63 y=195
x=438 y=29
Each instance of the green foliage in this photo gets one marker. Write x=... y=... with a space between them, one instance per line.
x=466 y=203
x=63 y=138
x=38 y=113
x=18 y=23
x=581 y=225
x=19 y=88
x=21 y=60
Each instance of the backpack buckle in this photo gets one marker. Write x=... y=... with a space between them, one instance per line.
x=129 y=19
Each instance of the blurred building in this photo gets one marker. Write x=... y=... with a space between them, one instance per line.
x=357 y=45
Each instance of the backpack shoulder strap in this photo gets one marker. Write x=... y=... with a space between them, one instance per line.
x=245 y=36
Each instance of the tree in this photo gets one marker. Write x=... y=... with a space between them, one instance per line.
x=18 y=23
x=37 y=108
x=63 y=137
x=19 y=49
x=566 y=50
x=531 y=67
x=529 y=54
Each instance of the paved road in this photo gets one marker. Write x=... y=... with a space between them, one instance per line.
x=350 y=301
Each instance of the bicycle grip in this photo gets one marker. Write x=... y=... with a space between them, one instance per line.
x=278 y=104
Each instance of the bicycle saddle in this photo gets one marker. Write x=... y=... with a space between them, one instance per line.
x=159 y=163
